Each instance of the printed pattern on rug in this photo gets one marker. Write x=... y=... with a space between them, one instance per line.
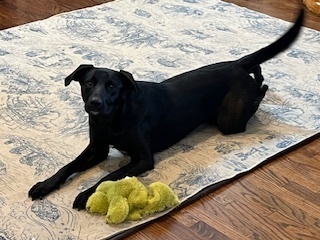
x=44 y=126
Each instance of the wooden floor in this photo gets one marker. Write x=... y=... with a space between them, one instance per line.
x=280 y=200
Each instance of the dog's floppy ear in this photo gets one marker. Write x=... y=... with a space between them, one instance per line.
x=128 y=80
x=78 y=73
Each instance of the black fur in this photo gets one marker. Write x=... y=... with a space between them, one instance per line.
x=142 y=118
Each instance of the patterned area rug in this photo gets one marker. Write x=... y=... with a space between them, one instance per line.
x=44 y=126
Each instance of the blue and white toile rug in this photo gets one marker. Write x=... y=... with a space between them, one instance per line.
x=43 y=125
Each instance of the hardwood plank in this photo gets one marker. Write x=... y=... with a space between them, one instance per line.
x=309 y=160
x=214 y=216
x=284 y=201
x=299 y=173
x=173 y=230
x=207 y=232
x=223 y=218
x=261 y=203
x=293 y=229
x=285 y=10
x=287 y=194
x=17 y=12
x=306 y=194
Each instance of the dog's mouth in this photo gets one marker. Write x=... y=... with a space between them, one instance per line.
x=95 y=113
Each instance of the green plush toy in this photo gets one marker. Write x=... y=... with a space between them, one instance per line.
x=129 y=199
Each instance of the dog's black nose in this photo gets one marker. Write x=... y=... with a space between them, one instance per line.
x=96 y=102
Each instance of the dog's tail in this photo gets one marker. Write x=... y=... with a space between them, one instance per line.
x=264 y=54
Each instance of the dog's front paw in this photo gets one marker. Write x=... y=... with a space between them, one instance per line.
x=81 y=200
x=41 y=189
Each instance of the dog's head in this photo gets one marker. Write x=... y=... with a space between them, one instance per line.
x=101 y=88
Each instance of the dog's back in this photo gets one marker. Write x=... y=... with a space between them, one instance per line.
x=223 y=93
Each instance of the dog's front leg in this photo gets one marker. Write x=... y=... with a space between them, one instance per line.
x=91 y=156
x=141 y=161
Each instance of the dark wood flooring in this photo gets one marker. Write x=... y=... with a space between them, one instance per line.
x=279 y=200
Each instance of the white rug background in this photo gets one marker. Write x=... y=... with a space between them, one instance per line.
x=43 y=125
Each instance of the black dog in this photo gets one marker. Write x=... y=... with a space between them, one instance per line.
x=142 y=118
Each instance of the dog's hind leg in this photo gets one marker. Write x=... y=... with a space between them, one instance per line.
x=238 y=106
x=230 y=118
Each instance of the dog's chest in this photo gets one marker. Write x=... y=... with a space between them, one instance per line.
x=114 y=136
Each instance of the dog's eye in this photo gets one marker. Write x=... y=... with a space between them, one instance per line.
x=110 y=85
x=88 y=84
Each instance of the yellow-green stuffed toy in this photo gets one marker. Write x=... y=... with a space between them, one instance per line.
x=129 y=199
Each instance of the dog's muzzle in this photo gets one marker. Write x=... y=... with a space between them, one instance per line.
x=96 y=106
